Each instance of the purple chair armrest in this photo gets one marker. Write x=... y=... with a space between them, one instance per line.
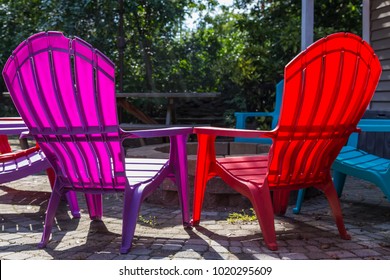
x=25 y=134
x=12 y=130
x=12 y=126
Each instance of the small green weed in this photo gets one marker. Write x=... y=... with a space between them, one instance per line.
x=242 y=217
x=151 y=221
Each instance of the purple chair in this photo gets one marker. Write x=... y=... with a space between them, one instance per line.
x=15 y=165
x=64 y=90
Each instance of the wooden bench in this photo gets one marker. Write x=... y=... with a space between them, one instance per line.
x=171 y=96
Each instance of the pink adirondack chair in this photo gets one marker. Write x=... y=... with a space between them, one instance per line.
x=15 y=165
x=327 y=88
x=64 y=89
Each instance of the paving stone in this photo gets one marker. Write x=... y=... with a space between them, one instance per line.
x=16 y=256
x=212 y=256
x=156 y=246
x=297 y=249
x=10 y=236
x=4 y=244
x=293 y=256
x=40 y=258
x=295 y=242
x=140 y=251
x=5 y=253
x=340 y=254
x=284 y=249
x=350 y=246
x=235 y=243
x=196 y=242
x=266 y=257
x=235 y=250
x=172 y=247
x=218 y=249
x=83 y=256
x=365 y=253
x=125 y=257
x=233 y=257
x=219 y=243
x=144 y=257
x=196 y=247
x=227 y=256
x=160 y=258
x=188 y=254
x=251 y=250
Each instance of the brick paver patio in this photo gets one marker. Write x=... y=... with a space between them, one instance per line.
x=159 y=235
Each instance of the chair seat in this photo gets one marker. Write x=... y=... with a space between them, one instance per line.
x=139 y=170
x=246 y=168
x=355 y=158
x=22 y=166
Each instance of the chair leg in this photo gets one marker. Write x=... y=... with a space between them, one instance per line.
x=280 y=201
x=70 y=196
x=181 y=178
x=334 y=203
x=339 y=181
x=199 y=192
x=203 y=165
x=54 y=202
x=383 y=183
x=298 y=205
x=262 y=204
x=131 y=207
x=52 y=176
x=95 y=206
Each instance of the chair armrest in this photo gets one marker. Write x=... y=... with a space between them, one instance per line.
x=12 y=130
x=12 y=126
x=24 y=134
x=231 y=132
x=18 y=154
x=13 y=119
x=254 y=114
x=162 y=132
x=369 y=125
x=374 y=125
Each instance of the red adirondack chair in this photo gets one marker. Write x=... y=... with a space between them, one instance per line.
x=327 y=88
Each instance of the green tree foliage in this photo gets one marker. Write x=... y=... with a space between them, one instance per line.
x=273 y=39
x=239 y=50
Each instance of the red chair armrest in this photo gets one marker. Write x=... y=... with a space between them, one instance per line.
x=17 y=154
x=231 y=132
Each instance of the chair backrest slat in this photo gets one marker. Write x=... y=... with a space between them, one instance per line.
x=65 y=91
x=327 y=88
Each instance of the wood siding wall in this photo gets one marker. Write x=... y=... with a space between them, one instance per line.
x=380 y=41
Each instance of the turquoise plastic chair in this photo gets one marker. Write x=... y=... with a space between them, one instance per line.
x=242 y=116
x=358 y=163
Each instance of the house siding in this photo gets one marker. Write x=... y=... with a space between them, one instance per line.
x=380 y=41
